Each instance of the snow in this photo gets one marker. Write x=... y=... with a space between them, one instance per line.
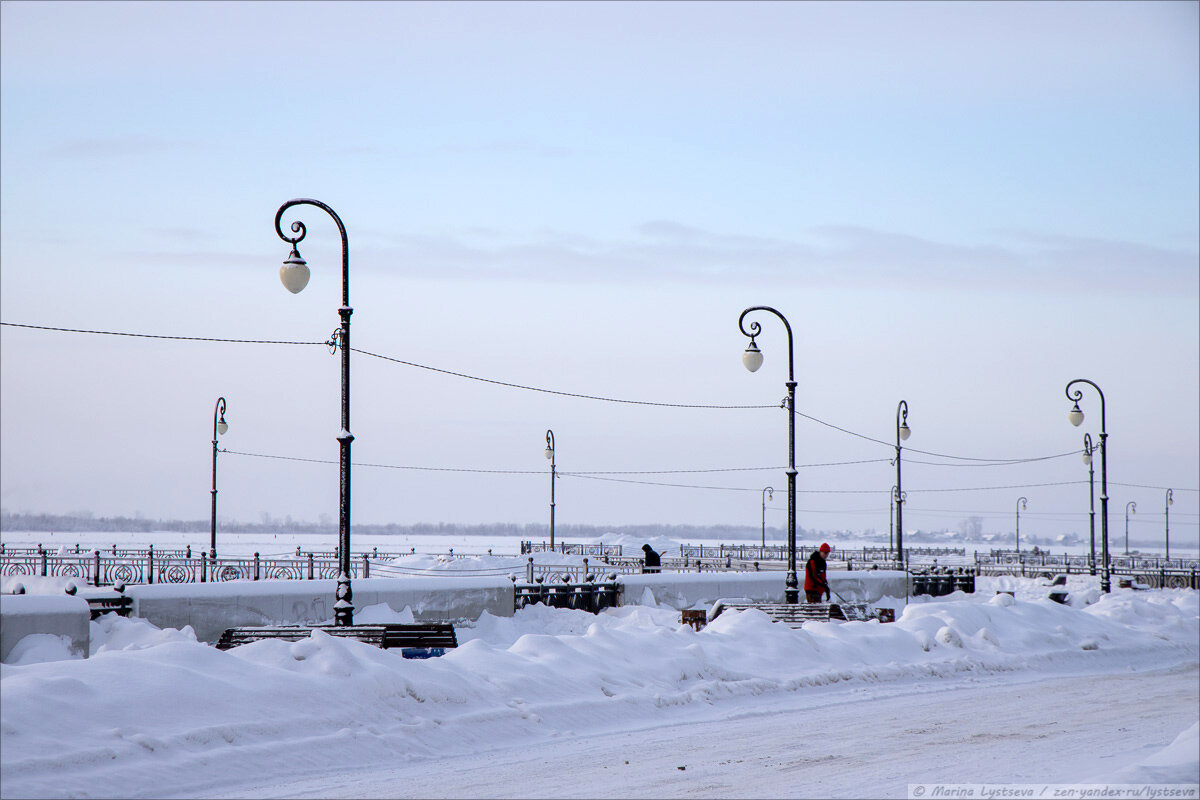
x=155 y=713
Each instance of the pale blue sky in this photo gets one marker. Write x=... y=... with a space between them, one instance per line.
x=960 y=204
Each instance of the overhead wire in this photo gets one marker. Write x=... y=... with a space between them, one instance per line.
x=982 y=461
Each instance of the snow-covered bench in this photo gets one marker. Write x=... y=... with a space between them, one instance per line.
x=420 y=640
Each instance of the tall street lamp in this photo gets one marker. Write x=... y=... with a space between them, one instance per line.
x=902 y=433
x=1021 y=503
x=1130 y=506
x=1075 y=416
x=294 y=274
x=753 y=359
x=553 y=473
x=768 y=494
x=1170 y=501
x=1087 y=459
x=219 y=427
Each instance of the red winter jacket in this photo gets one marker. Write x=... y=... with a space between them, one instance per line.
x=814 y=573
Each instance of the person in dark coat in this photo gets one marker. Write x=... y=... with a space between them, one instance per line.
x=815 y=582
x=653 y=561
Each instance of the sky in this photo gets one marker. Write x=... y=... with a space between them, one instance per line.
x=962 y=206
x=638 y=704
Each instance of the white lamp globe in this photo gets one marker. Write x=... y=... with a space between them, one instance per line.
x=294 y=272
x=1075 y=416
x=904 y=431
x=549 y=452
x=222 y=426
x=753 y=357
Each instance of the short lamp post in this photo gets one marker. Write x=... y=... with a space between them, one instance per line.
x=1075 y=416
x=1131 y=506
x=1087 y=459
x=767 y=494
x=902 y=433
x=1021 y=503
x=1170 y=501
x=753 y=359
x=294 y=273
x=553 y=474
x=219 y=427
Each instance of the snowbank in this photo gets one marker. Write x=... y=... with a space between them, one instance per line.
x=273 y=708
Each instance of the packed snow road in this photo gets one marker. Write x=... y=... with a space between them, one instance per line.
x=842 y=741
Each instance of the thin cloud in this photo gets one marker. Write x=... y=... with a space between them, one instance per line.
x=828 y=256
x=114 y=147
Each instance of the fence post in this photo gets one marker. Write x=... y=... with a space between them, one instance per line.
x=585 y=570
x=43 y=555
x=189 y=551
x=204 y=567
x=529 y=570
x=310 y=566
x=366 y=566
x=96 y=567
x=150 y=561
x=256 y=566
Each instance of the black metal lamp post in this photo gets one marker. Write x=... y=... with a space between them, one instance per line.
x=1087 y=459
x=1021 y=503
x=219 y=427
x=1130 y=506
x=752 y=359
x=1075 y=415
x=294 y=274
x=553 y=474
x=902 y=433
x=1170 y=501
x=768 y=494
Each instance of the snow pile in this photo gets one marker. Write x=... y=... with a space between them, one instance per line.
x=152 y=709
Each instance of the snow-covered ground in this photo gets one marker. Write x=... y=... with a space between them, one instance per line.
x=984 y=688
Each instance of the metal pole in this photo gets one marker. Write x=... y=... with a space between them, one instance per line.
x=1128 y=505
x=219 y=409
x=767 y=490
x=1021 y=503
x=901 y=409
x=1087 y=449
x=344 y=605
x=1167 y=518
x=553 y=474
x=791 y=585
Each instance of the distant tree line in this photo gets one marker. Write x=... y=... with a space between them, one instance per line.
x=84 y=521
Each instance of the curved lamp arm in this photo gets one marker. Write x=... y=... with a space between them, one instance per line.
x=755 y=329
x=299 y=229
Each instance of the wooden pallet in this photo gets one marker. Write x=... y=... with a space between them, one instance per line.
x=420 y=640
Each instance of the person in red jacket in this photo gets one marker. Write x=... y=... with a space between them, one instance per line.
x=815 y=583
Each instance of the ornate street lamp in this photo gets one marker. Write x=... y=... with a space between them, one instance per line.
x=1021 y=503
x=219 y=427
x=1130 y=506
x=294 y=274
x=553 y=473
x=902 y=433
x=753 y=359
x=1087 y=459
x=1075 y=416
x=1170 y=501
x=768 y=494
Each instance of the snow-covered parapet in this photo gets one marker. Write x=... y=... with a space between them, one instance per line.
x=62 y=615
x=210 y=608
x=697 y=589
